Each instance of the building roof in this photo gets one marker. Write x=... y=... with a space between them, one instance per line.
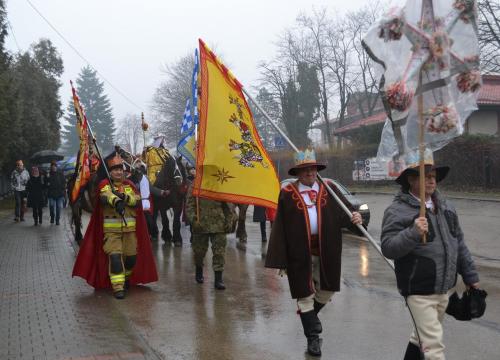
x=489 y=94
x=370 y=120
x=490 y=91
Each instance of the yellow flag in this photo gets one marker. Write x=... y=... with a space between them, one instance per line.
x=231 y=162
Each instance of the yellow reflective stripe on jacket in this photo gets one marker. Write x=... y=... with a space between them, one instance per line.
x=110 y=197
x=118 y=223
x=117 y=279
x=131 y=198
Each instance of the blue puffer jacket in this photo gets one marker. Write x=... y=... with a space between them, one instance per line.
x=431 y=268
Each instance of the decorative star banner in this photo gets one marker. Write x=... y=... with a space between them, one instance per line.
x=429 y=48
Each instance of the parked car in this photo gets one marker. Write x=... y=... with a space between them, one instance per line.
x=358 y=205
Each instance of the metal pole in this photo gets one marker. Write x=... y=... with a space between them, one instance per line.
x=329 y=189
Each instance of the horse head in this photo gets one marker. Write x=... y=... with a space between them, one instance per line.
x=180 y=173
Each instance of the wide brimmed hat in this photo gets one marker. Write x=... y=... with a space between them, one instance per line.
x=413 y=168
x=304 y=159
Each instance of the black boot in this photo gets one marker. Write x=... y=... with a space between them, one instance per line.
x=310 y=323
x=413 y=352
x=120 y=294
x=218 y=283
x=199 y=275
x=317 y=307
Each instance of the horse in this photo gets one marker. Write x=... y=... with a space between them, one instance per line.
x=173 y=179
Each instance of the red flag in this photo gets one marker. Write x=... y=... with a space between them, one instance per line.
x=82 y=168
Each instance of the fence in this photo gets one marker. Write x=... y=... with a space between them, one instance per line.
x=474 y=163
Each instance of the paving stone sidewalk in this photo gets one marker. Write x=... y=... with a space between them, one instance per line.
x=46 y=314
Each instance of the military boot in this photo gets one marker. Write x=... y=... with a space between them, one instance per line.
x=199 y=275
x=219 y=283
x=413 y=352
x=310 y=323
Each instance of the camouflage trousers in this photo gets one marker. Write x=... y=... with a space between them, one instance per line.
x=200 y=247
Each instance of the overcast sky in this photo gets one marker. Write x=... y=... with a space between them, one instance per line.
x=128 y=41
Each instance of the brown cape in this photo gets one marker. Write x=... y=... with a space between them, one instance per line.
x=290 y=244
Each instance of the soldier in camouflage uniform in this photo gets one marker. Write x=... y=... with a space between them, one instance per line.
x=215 y=221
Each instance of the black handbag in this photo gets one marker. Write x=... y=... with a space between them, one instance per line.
x=470 y=306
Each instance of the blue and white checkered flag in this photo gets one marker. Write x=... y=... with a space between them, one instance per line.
x=187 y=121
x=186 y=146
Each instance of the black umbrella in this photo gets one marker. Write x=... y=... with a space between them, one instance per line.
x=45 y=156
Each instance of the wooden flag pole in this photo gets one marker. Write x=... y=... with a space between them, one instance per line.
x=144 y=128
x=421 y=152
x=329 y=189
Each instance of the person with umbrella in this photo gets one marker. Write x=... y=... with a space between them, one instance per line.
x=18 y=180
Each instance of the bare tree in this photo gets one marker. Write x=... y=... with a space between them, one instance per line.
x=169 y=100
x=489 y=35
x=365 y=82
x=129 y=133
x=276 y=74
x=316 y=29
x=340 y=44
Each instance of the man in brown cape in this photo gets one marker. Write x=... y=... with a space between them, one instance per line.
x=306 y=242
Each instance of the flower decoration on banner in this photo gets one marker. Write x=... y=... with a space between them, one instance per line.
x=440 y=119
x=435 y=41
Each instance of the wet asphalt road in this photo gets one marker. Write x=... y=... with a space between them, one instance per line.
x=255 y=318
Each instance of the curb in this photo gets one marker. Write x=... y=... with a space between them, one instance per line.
x=446 y=195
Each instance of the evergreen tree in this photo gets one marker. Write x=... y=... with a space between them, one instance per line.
x=37 y=84
x=300 y=104
x=266 y=131
x=98 y=110
x=8 y=114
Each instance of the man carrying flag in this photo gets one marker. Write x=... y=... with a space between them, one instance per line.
x=306 y=243
x=116 y=250
x=232 y=165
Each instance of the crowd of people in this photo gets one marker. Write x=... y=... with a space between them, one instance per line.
x=37 y=191
x=305 y=243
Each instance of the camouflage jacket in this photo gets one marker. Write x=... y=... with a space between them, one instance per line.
x=215 y=216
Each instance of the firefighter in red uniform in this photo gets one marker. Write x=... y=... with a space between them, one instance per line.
x=116 y=236
x=120 y=242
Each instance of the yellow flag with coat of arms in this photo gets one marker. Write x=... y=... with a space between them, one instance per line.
x=231 y=163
